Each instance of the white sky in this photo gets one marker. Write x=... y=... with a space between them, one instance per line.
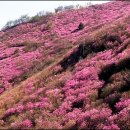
x=11 y=10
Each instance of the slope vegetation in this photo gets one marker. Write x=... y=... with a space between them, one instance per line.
x=53 y=77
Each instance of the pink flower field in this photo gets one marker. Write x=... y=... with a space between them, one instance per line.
x=68 y=70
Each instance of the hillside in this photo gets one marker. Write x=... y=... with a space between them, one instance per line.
x=55 y=75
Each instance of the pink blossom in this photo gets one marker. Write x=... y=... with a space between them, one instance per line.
x=111 y=127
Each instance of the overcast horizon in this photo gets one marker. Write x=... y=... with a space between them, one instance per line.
x=11 y=10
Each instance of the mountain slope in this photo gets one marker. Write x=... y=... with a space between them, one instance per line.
x=54 y=77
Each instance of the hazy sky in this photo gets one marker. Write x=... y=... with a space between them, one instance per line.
x=11 y=10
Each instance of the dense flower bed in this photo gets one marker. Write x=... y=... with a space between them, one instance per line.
x=90 y=93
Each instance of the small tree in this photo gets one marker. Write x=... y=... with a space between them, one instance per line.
x=8 y=24
x=41 y=13
x=68 y=7
x=88 y=4
x=58 y=9
x=81 y=26
x=22 y=19
x=77 y=6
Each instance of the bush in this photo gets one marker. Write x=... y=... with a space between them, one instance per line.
x=30 y=46
x=69 y=7
x=10 y=24
x=47 y=26
x=35 y=18
x=58 y=9
x=16 y=51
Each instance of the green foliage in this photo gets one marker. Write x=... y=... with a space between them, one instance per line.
x=22 y=19
x=35 y=18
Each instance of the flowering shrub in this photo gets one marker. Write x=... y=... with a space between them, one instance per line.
x=112 y=127
x=122 y=104
x=24 y=124
x=63 y=80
